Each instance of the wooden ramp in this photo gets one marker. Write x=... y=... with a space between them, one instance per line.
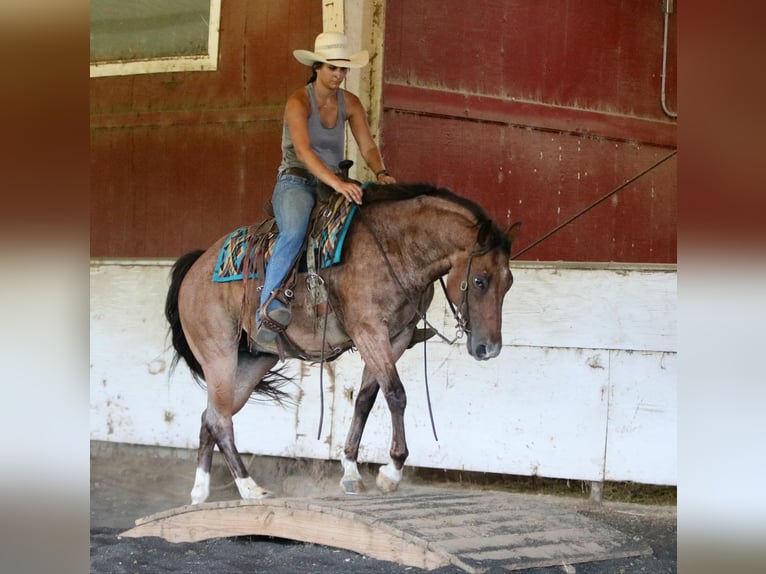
x=426 y=528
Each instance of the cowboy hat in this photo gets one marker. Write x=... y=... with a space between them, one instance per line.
x=332 y=48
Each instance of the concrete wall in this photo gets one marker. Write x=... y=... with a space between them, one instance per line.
x=585 y=387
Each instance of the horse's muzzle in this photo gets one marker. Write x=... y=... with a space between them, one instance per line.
x=484 y=351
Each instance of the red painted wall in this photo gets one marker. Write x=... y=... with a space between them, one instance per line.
x=534 y=108
x=537 y=109
x=179 y=159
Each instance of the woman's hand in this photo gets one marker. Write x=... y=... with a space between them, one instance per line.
x=350 y=191
x=385 y=178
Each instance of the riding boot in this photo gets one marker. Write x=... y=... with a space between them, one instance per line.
x=271 y=319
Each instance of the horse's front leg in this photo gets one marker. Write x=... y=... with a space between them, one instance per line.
x=351 y=483
x=380 y=356
x=390 y=475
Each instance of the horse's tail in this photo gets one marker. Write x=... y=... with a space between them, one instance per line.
x=270 y=387
x=180 y=344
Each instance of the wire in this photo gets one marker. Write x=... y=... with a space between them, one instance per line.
x=595 y=203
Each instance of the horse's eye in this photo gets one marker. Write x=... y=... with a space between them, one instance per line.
x=480 y=283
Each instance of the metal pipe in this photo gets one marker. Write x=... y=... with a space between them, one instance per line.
x=667 y=8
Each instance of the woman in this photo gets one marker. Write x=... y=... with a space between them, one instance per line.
x=313 y=142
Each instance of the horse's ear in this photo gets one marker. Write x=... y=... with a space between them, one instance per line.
x=513 y=231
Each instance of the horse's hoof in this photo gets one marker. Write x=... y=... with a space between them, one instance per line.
x=197 y=499
x=385 y=484
x=201 y=489
x=249 y=490
x=258 y=495
x=350 y=486
x=388 y=478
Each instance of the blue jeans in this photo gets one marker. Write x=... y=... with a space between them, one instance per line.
x=293 y=200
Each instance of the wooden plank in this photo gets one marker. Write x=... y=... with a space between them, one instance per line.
x=626 y=308
x=428 y=101
x=537 y=110
x=643 y=419
x=484 y=530
x=543 y=178
x=291 y=519
x=532 y=412
x=599 y=56
x=186 y=117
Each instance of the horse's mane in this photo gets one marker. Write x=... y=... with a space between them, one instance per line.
x=490 y=235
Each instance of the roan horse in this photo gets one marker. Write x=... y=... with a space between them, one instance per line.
x=402 y=239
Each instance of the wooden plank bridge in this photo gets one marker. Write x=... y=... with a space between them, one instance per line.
x=425 y=528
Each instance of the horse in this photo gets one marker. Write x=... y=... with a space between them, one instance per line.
x=403 y=238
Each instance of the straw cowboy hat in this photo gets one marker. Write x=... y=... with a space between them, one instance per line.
x=332 y=48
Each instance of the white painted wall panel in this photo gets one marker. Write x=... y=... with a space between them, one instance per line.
x=563 y=399
x=641 y=442
x=131 y=397
x=599 y=308
x=536 y=411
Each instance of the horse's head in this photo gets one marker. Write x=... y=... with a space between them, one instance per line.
x=477 y=284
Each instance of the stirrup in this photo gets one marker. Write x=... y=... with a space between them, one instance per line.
x=272 y=324
x=278 y=320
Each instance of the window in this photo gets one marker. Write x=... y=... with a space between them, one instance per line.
x=151 y=36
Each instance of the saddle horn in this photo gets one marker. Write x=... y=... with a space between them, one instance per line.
x=344 y=166
x=324 y=191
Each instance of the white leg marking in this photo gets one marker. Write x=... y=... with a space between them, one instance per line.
x=201 y=489
x=249 y=490
x=350 y=470
x=389 y=477
x=351 y=483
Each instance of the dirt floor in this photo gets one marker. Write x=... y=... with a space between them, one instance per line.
x=128 y=483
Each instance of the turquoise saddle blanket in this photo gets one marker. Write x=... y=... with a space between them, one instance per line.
x=330 y=242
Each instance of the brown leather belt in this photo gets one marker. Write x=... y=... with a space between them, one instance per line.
x=299 y=171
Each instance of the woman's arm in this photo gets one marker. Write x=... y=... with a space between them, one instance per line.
x=357 y=119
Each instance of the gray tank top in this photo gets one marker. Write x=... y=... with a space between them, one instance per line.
x=327 y=143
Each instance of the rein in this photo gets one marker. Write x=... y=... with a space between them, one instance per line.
x=460 y=314
x=321 y=375
x=463 y=323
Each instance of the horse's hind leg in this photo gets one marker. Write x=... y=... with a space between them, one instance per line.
x=224 y=401
x=201 y=489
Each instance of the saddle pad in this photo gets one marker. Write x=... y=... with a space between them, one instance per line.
x=232 y=256
x=333 y=236
x=330 y=241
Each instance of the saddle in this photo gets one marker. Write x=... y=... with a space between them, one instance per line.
x=321 y=248
x=244 y=255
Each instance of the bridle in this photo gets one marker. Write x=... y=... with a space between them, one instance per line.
x=461 y=312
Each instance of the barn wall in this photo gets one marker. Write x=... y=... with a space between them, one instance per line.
x=534 y=109
x=178 y=159
x=537 y=110
x=584 y=388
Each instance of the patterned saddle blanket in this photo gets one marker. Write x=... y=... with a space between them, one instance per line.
x=328 y=241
